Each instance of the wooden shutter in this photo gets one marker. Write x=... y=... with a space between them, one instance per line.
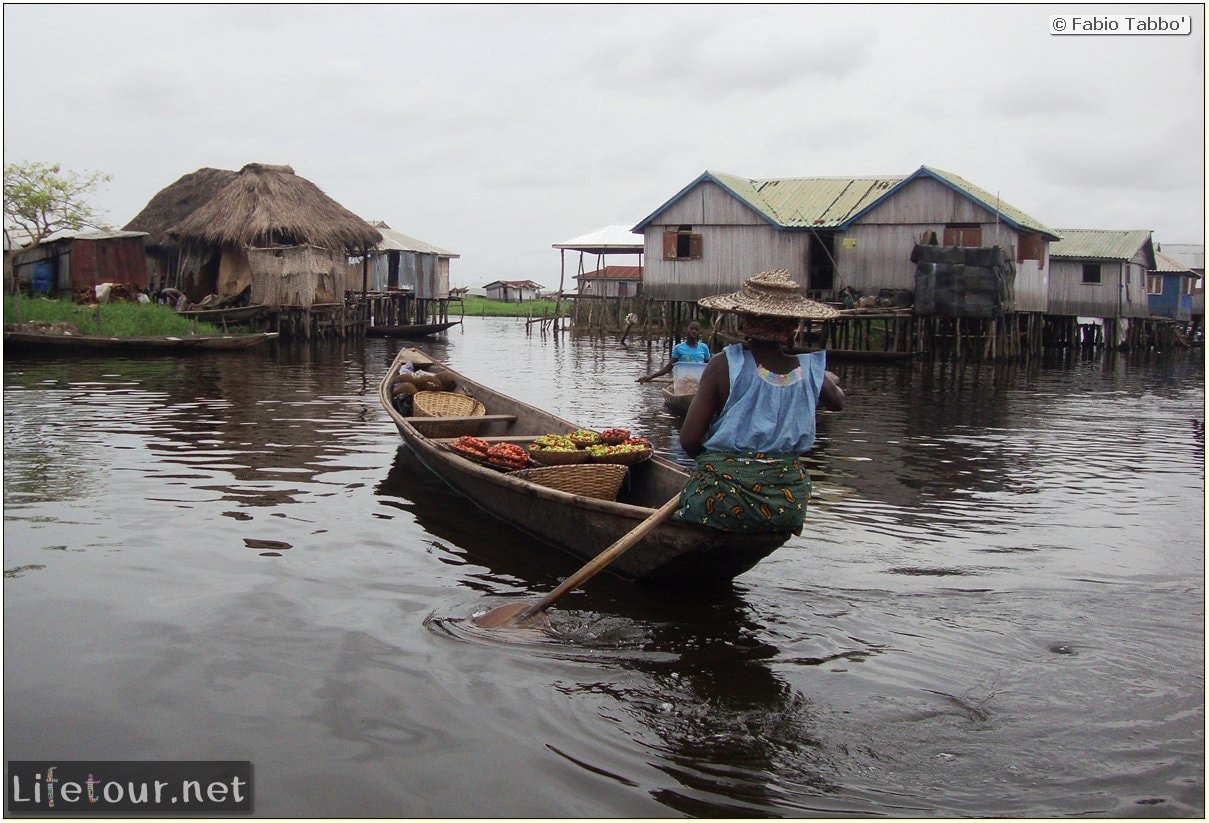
x=970 y=236
x=669 y=245
x=694 y=246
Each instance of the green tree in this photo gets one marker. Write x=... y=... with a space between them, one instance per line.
x=41 y=198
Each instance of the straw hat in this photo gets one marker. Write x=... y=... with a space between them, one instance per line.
x=771 y=294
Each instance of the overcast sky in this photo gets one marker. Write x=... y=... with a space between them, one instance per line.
x=496 y=131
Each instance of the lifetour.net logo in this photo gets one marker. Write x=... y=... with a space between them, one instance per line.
x=76 y=787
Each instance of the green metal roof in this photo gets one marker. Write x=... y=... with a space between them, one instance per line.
x=990 y=201
x=807 y=202
x=1099 y=244
x=835 y=202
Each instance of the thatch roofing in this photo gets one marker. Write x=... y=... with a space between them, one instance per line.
x=177 y=202
x=271 y=206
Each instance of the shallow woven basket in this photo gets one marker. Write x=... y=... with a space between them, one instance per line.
x=599 y=480
x=447 y=404
x=559 y=458
x=624 y=459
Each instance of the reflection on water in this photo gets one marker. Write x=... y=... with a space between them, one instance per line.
x=996 y=606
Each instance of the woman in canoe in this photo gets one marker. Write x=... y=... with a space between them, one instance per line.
x=754 y=414
x=690 y=350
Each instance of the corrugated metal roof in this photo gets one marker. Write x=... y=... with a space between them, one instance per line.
x=1191 y=255
x=1166 y=265
x=991 y=202
x=834 y=202
x=18 y=238
x=618 y=239
x=397 y=241
x=1099 y=244
x=808 y=202
x=613 y=273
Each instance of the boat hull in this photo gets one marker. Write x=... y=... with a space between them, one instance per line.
x=416 y=330
x=36 y=342
x=236 y=314
x=581 y=526
x=678 y=402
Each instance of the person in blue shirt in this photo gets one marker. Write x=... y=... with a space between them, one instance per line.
x=688 y=350
x=753 y=416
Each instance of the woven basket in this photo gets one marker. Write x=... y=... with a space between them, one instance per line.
x=447 y=404
x=559 y=458
x=624 y=459
x=599 y=480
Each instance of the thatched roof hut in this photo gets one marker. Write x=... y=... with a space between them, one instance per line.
x=176 y=202
x=271 y=206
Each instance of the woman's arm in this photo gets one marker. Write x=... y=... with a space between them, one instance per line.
x=831 y=396
x=711 y=396
x=646 y=378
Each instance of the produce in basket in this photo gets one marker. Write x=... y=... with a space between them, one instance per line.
x=623 y=454
x=508 y=455
x=645 y=442
x=585 y=437
x=614 y=436
x=553 y=442
x=474 y=444
x=602 y=450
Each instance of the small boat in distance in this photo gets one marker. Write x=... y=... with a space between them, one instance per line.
x=414 y=330
x=577 y=524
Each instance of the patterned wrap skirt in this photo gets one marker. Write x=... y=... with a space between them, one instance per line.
x=746 y=492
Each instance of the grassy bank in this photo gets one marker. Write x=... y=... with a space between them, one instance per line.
x=482 y=307
x=116 y=319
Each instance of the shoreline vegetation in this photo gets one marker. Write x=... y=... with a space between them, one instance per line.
x=129 y=319
x=124 y=319
x=482 y=307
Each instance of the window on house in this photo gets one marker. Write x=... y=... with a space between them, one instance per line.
x=1154 y=284
x=682 y=244
x=963 y=234
x=1091 y=273
x=1032 y=247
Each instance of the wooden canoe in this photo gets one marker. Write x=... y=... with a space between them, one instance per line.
x=41 y=342
x=234 y=314
x=678 y=403
x=414 y=330
x=577 y=525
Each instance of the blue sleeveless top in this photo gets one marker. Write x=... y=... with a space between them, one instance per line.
x=765 y=411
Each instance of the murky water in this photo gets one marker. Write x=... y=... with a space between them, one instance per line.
x=996 y=607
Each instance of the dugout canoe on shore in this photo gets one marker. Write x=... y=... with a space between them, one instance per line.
x=41 y=342
x=232 y=314
x=534 y=500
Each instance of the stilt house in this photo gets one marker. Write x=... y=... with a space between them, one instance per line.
x=611 y=281
x=1170 y=288
x=512 y=291
x=279 y=235
x=831 y=233
x=1100 y=274
x=402 y=262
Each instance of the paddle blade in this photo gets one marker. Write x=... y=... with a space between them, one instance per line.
x=508 y=616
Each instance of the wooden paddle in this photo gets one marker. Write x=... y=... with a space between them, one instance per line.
x=517 y=614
